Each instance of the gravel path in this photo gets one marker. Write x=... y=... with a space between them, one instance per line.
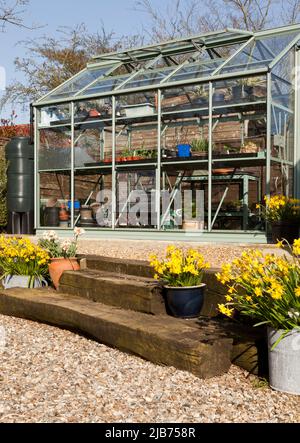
x=51 y=375
x=216 y=253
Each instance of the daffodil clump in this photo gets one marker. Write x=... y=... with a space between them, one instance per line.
x=264 y=287
x=179 y=268
x=22 y=257
x=280 y=208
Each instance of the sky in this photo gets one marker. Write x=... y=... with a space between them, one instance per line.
x=117 y=15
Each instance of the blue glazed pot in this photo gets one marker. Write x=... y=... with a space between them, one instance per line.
x=185 y=302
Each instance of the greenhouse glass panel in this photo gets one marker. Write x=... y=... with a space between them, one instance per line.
x=259 y=53
x=185 y=98
x=196 y=70
x=55 y=114
x=93 y=109
x=93 y=195
x=148 y=78
x=283 y=117
x=93 y=144
x=55 y=148
x=184 y=199
x=142 y=104
x=105 y=85
x=55 y=191
x=79 y=82
x=136 y=199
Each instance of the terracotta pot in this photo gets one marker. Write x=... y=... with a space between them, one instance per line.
x=94 y=113
x=59 y=265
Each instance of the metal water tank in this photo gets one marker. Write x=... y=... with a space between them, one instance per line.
x=20 y=185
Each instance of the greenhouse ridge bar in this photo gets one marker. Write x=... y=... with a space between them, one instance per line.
x=207 y=122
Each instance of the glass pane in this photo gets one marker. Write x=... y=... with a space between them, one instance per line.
x=185 y=98
x=136 y=142
x=55 y=194
x=282 y=179
x=283 y=78
x=239 y=119
x=185 y=139
x=184 y=198
x=136 y=199
x=55 y=114
x=283 y=104
x=282 y=134
x=93 y=200
x=235 y=195
x=54 y=148
x=260 y=52
x=105 y=85
x=91 y=110
x=245 y=90
x=149 y=78
x=137 y=105
x=79 y=82
x=93 y=144
x=196 y=70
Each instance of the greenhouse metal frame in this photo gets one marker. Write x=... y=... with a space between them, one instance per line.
x=230 y=95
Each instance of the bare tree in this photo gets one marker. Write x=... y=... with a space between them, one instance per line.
x=11 y=12
x=51 y=61
x=185 y=17
x=290 y=11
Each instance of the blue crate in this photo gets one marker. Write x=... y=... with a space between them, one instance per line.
x=184 y=150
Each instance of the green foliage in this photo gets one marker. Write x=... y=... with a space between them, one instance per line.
x=22 y=257
x=200 y=145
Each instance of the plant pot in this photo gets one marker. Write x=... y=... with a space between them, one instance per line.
x=284 y=361
x=94 y=113
x=219 y=97
x=51 y=217
x=136 y=158
x=192 y=225
x=185 y=302
x=242 y=92
x=288 y=230
x=22 y=281
x=59 y=265
x=107 y=160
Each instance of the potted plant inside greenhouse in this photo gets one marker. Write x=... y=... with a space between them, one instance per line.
x=62 y=253
x=266 y=288
x=244 y=88
x=181 y=273
x=24 y=264
x=200 y=147
x=200 y=95
x=283 y=217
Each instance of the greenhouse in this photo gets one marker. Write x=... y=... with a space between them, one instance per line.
x=179 y=140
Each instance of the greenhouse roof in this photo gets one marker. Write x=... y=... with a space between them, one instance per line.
x=209 y=56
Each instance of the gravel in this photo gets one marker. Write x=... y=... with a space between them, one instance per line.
x=216 y=254
x=52 y=375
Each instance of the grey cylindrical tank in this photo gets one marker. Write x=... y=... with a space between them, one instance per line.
x=20 y=175
x=284 y=361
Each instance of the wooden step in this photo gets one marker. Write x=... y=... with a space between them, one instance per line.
x=120 y=290
x=161 y=339
x=118 y=265
x=215 y=291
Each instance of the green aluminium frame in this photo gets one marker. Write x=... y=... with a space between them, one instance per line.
x=229 y=55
